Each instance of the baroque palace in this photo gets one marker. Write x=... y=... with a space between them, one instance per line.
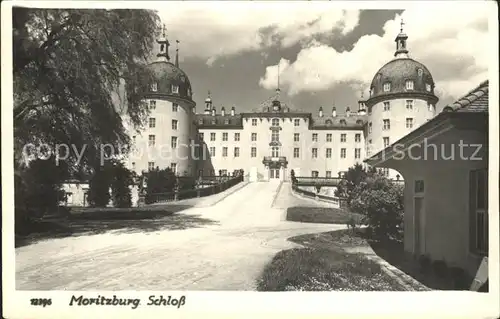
x=274 y=138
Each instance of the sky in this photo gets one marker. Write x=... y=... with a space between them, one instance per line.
x=327 y=55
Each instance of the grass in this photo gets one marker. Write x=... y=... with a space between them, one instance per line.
x=324 y=269
x=326 y=215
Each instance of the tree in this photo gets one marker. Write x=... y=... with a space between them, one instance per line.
x=353 y=177
x=70 y=69
x=120 y=191
x=381 y=202
x=99 y=185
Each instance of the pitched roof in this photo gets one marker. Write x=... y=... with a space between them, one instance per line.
x=474 y=101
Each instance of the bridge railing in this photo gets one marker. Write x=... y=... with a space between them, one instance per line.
x=318 y=181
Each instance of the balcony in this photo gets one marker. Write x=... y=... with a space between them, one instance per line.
x=269 y=160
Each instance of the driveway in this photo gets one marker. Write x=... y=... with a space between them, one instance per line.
x=248 y=229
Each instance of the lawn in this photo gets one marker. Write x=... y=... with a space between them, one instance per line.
x=324 y=269
x=326 y=215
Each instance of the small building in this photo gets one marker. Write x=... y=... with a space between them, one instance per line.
x=444 y=163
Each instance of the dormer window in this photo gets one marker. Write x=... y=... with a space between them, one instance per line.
x=420 y=72
x=372 y=91
x=342 y=122
x=226 y=121
x=189 y=92
x=359 y=122
x=154 y=87
x=213 y=121
x=329 y=122
x=175 y=89
x=409 y=85
x=428 y=87
x=387 y=87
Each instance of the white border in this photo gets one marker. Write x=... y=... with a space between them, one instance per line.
x=248 y=304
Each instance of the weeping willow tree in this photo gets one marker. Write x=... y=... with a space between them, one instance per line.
x=69 y=67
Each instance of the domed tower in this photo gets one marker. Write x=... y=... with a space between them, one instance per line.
x=170 y=131
x=401 y=99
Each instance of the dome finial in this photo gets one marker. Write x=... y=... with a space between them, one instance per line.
x=402 y=24
x=401 y=51
x=177 y=53
x=164 y=44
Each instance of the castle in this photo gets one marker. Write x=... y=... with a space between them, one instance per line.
x=274 y=138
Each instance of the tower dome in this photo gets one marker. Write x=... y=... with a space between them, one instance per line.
x=169 y=79
x=402 y=76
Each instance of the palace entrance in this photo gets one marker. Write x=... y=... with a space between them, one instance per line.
x=274 y=173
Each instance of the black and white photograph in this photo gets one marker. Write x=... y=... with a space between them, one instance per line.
x=185 y=147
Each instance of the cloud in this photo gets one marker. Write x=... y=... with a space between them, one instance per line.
x=451 y=40
x=210 y=31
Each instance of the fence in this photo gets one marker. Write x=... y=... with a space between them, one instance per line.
x=218 y=184
x=334 y=200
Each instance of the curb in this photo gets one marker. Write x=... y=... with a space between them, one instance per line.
x=234 y=190
x=277 y=193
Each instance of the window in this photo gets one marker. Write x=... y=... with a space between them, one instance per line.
x=343 y=138
x=479 y=211
x=409 y=122
x=343 y=122
x=212 y=150
x=296 y=137
x=409 y=104
x=418 y=186
x=226 y=121
x=223 y=172
x=201 y=135
x=357 y=138
x=428 y=87
x=296 y=122
x=386 y=141
x=173 y=142
x=154 y=87
x=200 y=121
x=342 y=153
x=151 y=166
x=296 y=152
x=69 y=198
x=409 y=85
x=275 y=136
x=236 y=152
x=387 y=87
x=387 y=125
x=175 y=107
x=254 y=137
x=152 y=122
x=385 y=172
x=420 y=72
x=224 y=137
x=236 y=137
x=357 y=153
x=175 y=89
x=315 y=137
x=314 y=153
x=254 y=122
x=174 y=124
x=212 y=137
x=275 y=151
x=314 y=173
x=328 y=137
x=370 y=127
x=275 y=122
x=387 y=106
x=328 y=153
x=224 y=152
x=328 y=174
x=213 y=121
x=152 y=104
x=173 y=167
x=253 y=152
x=151 y=140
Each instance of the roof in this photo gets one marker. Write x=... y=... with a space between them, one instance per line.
x=219 y=121
x=474 y=101
x=339 y=121
x=267 y=106
x=167 y=75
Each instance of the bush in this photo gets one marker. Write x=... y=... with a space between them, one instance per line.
x=440 y=268
x=159 y=182
x=120 y=191
x=381 y=202
x=99 y=185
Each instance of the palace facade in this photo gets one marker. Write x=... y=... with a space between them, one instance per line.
x=274 y=138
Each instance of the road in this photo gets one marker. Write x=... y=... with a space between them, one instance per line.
x=227 y=254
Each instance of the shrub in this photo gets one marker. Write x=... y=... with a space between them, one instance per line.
x=159 y=182
x=353 y=177
x=440 y=268
x=99 y=185
x=381 y=202
x=121 y=180
x=425 y=264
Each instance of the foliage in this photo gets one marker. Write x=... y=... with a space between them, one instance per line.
x=73 y=70
x=38 y=189
x=158 y=182
x=292 y=177
x=99 y=185
x=381 y=202
x=121 y=180
x=353 y=177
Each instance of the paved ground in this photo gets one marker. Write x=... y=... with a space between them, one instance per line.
x=228 y=254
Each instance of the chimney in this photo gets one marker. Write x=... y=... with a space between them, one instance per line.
x=223 y=111
x=233 y=110
x=213 y=111
x=334 y=111
x=320 y=111
x=347 y=111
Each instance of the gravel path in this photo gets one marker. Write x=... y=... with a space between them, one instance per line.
x=227 y=254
